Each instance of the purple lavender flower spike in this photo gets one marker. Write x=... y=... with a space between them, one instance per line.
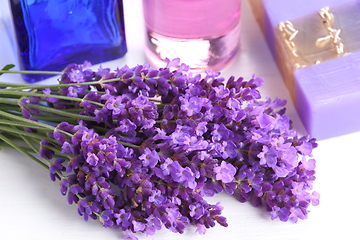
x=156 y=142
x=281 y=213
x=92 y=159
x=157 y=198
x=225 y=172
x=196 y=210
x=46 y=152
x=200 y=229
x=150 y=158
x=122 y=218
x=172 y=63
x=48 y=92
x=67 y=148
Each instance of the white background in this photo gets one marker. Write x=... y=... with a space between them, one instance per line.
x=31 y=206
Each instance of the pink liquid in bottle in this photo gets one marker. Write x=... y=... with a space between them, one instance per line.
x=205 y=34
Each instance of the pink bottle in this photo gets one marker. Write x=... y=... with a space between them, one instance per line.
x=204 y=34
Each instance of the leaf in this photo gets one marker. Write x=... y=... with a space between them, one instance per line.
x=7 y=68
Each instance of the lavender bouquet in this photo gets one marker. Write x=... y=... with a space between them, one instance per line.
x=139 y=149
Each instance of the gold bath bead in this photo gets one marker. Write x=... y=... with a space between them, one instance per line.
x=289 y=33
x=322 y=42
x=327 y=16
x=334 y=34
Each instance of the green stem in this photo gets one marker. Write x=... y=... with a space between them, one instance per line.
x=26 y=149
x=75 y=110
x=55 y=119
x=19 y=132
x=60 y=112
x=30 y=140
x=31 y=72
x=31 y=123
x=129 y=145
x=7 y=101
x=20 y=149
x=19 y=86
x=32 y=94
x=160 y=105
x=156 y=100
x=18 y=124
x=30 y=144
x=29 y=150
x=9 y=108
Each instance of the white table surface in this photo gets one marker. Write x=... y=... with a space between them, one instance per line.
x=32 y=207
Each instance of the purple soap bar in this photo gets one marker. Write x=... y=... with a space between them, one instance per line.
x=317 y=48
x=327 y=96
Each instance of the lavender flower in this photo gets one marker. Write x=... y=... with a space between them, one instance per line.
x=138 y=149
x=225 y=172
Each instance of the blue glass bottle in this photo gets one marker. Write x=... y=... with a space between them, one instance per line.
x=54 y=33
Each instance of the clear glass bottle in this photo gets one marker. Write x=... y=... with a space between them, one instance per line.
x=54 y=33
x=202 y=33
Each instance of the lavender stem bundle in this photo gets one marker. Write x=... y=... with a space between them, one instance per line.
x=139 y=149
